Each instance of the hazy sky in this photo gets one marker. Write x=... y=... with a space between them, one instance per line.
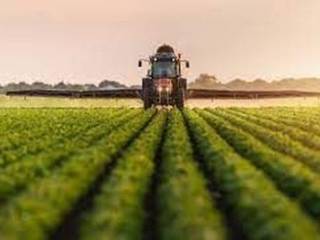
x=90 y=40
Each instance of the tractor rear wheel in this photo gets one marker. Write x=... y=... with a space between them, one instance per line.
x=180 y=98
x=183 y=83
x=147 y=94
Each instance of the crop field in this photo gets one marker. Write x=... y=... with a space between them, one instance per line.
x=64 y=102
x=126 y=173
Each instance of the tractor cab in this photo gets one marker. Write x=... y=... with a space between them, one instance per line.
x=164 y=66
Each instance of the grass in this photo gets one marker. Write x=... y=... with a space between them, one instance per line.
x=127 y=173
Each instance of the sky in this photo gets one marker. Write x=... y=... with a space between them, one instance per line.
x=86 y=41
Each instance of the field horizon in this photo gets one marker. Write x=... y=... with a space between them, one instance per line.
x=62 y=102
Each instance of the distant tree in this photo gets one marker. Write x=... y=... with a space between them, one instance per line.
x=237 y=84
x=111 y=84
x=259 y=84
x=206 y=81
x=40 y=85
x=17 y=86
x=259 y=80
x=89 y=86
x=75 y=87
x=11 y=87
x=60 y=85
x=23 y=86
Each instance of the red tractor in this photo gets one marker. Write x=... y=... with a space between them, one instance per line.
x=164 y=84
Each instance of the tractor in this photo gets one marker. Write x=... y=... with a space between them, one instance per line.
x=164 y=84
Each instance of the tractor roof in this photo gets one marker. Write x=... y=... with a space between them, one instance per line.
x=165 y=49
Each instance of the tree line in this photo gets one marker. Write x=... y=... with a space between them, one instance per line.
x=105 y=84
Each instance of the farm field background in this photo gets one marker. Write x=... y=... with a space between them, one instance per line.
x=126 y=173
x=61 y=102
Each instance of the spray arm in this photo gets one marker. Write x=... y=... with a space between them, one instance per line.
x=143 y=60
x=186 y=62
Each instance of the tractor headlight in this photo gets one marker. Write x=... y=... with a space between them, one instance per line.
x=159 y=89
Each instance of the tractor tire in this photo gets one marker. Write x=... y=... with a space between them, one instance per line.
x=183 y=84
x=147 y=93
x=180 y=98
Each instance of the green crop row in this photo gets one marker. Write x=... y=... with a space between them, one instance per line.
x=119 y=207
x=259 y=208
x=185 y=208
x=307 y=115
x=306 y=138
x=291 y=176
x=18 y=175
x=287 y=118
x=276 y=140
x=16 y=121
x=60 y=125
x=40 y=209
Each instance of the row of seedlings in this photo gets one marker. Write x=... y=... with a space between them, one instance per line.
x=288 y=118
x=291 y=176
x=118 y=210
x=306 y=138
x=276 y=140
x=259 y=208
x=185 y=207
x=15 y=177
x=38 y=211
x=49 y=130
